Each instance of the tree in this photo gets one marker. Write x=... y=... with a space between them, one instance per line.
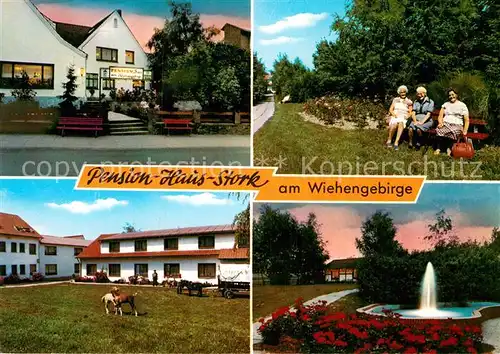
x=441 y=233
x=176 y=38
x=128 y=228
x=283 y=247
x=23 y=90
x=495 y=240
x=259 y=80
x=378 y=237
x=242 y=224
x=68 y=97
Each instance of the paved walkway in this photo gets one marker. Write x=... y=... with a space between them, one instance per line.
x=491 y=333
x=261 y=114
x=329 y=298
x=29 y=285
x=115 y=142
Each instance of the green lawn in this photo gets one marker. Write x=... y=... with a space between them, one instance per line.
x=267 y=298
x=71 y=318
x=310 y=148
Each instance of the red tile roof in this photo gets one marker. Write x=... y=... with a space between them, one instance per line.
x=94 y=249
x=183 y=231
x=194 y=253
x=65 y=241
x=237 y=253
x=343 y=263
x=13 y=225
x=81 y=237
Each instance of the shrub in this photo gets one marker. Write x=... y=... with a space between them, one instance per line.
x=120 y=281
x=1 y=281
x=37 y=276
x=12 y=279
x=333 y=109
x=23 y=90
x=2 y=96
x=312 y=329
x=102 y=277
x=463 y=272
x=86 y=279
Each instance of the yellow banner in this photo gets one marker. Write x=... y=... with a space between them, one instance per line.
x=270 y=187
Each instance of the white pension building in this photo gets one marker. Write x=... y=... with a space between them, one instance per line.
x=105 y=56
x=23 y=251
x=198 y=254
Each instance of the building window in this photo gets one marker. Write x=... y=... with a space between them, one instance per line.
x=141 y=269
x=13 y=269
x=32 y=269
x=51 y=269
x=3 y=270
x=141 y=245
x=32 y=248
x=205 y=242
x=22 y=248
x=171 y=244
x=77 y=251
x=41 y=76
x=106 y=54
x=108 y=84
x=115 y=23
x=129 y=57
x=114 y=246
x=50 y=250
x=76 y=268
x=2 y=246
x=171 y=269
x=91 y=269
x=115 y=270
x=92 y=81
x=22 y=269
x=13 y=247
x=206 y=270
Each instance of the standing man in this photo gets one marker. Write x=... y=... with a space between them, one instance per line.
x=155 y=278
x=421 y=117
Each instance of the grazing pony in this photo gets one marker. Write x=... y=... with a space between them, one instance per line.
x=123 y=299
x=108 y=298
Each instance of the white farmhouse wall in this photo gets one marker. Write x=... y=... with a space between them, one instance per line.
x=9 y=258
x=188 y=267
x=120 y=38
x=65 y=260
x=25 y=36
x=235 y=271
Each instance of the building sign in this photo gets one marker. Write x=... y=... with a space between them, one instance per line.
x=148 y=75
x=126 y=73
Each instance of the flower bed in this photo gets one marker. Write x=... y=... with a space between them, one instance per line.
x=312 y=329
x=333 y=109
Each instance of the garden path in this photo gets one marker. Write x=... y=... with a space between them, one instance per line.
x=491 y=333
x=329 y=298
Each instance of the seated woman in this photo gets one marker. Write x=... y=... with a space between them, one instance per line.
x=399 y=112
x=453 y=122
x=421 y=117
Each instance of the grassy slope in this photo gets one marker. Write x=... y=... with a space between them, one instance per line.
x=336 y=151
x=268 y=298
x=71 y=318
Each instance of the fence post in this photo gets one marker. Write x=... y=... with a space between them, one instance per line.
x=237 y=118
x=197 y=117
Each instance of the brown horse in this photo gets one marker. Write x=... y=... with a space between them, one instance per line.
x=123 y=299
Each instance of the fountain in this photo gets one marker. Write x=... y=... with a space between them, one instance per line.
x=428 y=308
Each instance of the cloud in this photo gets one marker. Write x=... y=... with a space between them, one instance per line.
x=302 y=20
x=280 y=40
x=198 y=199
x=78 y=207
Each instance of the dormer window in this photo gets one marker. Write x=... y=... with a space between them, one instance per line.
x=141 y=245
x=114 y=246
x=23 y=229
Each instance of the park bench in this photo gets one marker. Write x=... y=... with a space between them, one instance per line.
x=177 y=124
x=81 y=124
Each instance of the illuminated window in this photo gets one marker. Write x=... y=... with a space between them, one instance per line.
x=129 y=57
x=106 y=54
x=41 y=76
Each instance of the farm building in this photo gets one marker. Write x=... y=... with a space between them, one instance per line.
x=194 y=253
x=236 y=36
x=341 y=270
x=105 y=56
x=23 y=251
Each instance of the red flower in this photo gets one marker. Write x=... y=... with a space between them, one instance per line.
x=469 y=342
x=450 y=342
x=410 y=350
x=471 y=350
x=340 y=343
x=435 y=337
x=381 y=341
x=395 y=345
x=433 y=351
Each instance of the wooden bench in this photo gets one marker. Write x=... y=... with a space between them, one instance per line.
x=80 y=123
x=177 y=124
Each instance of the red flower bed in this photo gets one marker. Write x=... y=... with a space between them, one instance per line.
x=313 y=330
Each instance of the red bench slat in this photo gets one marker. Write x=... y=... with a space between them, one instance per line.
x=79 y=128
x=80 y=123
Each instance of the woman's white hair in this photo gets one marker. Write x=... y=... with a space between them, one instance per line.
x=421 y=89
x=401 y=88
